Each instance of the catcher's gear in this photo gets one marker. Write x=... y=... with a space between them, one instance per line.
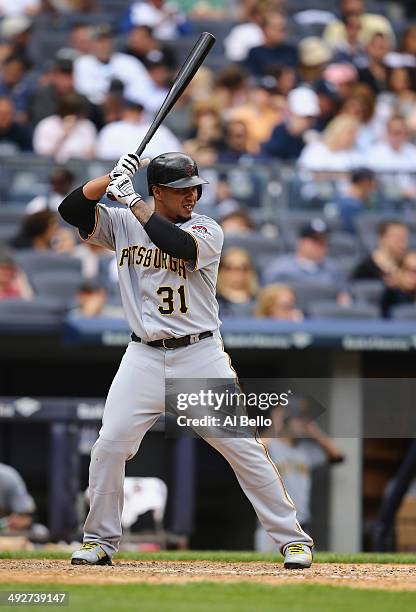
x=128 y=164
x=175 y=170
x=121 y=189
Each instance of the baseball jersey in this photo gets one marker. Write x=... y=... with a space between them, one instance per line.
x=163 y=296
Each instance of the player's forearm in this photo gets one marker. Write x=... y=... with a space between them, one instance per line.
x=143 y=211
x=95 y=189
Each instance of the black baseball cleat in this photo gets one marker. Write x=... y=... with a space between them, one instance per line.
x=90 y=553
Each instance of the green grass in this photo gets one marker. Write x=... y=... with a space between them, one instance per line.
x=226 y=556
x=241 y=597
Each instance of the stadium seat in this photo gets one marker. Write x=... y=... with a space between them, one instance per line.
x=40 y=310
x=331 y=310
x=290 y=224
x=57 y=284
x=347 y=264
x=367 y=291
x=35 y=262
x=306 y=293
x=255 y=243
x=404 y=312
x=342 y=243
x=11 y=214
x=7 y=232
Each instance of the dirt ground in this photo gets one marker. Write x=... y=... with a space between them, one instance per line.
x=374 y=576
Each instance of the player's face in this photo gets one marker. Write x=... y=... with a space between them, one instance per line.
x=175 y=204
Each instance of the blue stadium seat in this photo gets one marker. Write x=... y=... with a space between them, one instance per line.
x=404 y=312
x=40 y=310
x=35 y=262
x=57 y=284
x=367 y=291
x=331 y=310
x=307 y=293
x=342 y=243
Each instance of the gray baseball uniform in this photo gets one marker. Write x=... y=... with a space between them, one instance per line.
x=164 y=297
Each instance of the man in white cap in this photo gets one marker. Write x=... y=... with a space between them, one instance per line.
x=288 y=138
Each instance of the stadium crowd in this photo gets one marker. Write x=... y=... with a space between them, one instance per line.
x=328 y=92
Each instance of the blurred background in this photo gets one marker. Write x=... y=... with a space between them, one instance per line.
x=303 y=119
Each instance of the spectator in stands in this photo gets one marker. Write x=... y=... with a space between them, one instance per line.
x=233 y=219
x=262 y=111
x=278 y=302
x=337 y=150
x=15 y=84
x=383 y=263
x=16 y=505
x=231 y=87
x=91 y=300
x=204 y=9
x=396 y=153
x=60 y=182
x=91 y=256
x=288 y=138
x=405 y=57
x=404 y=291
x=350 y=49
x=13 y=136
x=275 y=51
x=39 y=231
x=120 y=136
x=164 y=18
x=357 y=198
x=81 y=38
x=400 y=99
x=142 y=44
x=375 y=72
x=370 y=23
x=206 y=126
x=200 y=89
x=361 y=105
x=13 y=281
x=298 y=446
x=235 y=143
x=244 y=36
x=50 y=89
x=341 y=76
x=314 y=55
x=94 y=73
x=19 y=7
x=237 y=284
x=16 y=35
x=329 y=103
x=309 y=264
x=68 y=134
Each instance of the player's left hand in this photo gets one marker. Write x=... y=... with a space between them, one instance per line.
x=121 y=189
x=129 y=164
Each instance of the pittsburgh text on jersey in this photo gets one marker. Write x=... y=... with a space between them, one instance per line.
x=151 y=257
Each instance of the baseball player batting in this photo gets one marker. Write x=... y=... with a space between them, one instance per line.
x=168 y=259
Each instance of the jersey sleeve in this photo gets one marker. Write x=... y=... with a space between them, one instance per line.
x=103 y=234
x=209 y=238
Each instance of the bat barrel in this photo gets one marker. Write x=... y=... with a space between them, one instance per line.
x=189 y=68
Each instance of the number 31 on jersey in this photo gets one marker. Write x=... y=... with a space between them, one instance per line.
x=170 y=302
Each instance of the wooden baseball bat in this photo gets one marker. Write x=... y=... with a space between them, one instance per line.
x=184 y=77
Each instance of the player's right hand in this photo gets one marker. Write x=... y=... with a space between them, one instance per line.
x=128 y=164
x=121 y=189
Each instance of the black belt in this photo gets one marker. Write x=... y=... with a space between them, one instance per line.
x=174 y=343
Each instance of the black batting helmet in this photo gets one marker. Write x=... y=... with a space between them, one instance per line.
x=175 y=170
